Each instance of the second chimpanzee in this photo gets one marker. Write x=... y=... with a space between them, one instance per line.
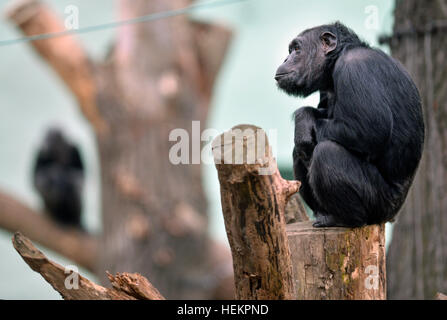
x=59 y=177
x=356 y=154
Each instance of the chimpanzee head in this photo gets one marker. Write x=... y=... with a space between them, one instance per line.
x=312 y=55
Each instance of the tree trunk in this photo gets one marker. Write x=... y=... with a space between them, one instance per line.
x=417 y=257
x=158 y=77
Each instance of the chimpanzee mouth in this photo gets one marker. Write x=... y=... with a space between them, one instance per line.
x=278 y=76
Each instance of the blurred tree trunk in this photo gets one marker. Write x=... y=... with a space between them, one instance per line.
x=154 y=212
x=417 y=257
x=158 y=77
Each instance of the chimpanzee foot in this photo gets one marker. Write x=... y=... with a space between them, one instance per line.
x=325 y=221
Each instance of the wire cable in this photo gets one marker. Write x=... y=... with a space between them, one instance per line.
x=117 y=24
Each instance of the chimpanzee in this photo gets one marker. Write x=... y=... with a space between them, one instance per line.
x=59 y=178
x=356 y=154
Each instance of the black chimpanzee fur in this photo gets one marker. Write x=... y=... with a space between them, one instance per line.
x=357 y=153
x=59 y=178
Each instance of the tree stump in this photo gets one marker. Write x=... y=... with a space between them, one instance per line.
x=253 y=203
x=338 y=263
x=272 y=261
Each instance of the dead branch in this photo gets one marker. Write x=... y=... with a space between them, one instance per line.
x=76 y=246
x=126 y=286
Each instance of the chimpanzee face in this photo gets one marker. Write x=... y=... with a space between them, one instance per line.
x=303 y=71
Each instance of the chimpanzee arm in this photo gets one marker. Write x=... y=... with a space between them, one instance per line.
x=362 y=120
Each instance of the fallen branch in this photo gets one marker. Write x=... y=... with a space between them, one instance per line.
x=125 y=286
x=77 y=246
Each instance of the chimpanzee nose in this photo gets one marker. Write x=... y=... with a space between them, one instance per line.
x=281 y=72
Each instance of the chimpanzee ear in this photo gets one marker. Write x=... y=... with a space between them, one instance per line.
x=329 y=41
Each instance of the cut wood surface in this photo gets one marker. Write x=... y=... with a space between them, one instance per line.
x=338 y=263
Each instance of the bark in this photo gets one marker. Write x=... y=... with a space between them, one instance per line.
x=158 y=77
x=417 y=257
x=338 y=263
x=253 y=208
x=73 y=286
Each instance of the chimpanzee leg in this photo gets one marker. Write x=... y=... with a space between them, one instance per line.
x=350 y=191
x=300 y=171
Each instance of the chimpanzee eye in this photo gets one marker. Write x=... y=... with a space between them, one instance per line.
x=297 y=49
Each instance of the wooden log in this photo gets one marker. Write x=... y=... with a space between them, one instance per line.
x=253 y=198
x=338 y=263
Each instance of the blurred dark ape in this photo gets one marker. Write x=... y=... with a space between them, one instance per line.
x=59 y=179
x=356 y=154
